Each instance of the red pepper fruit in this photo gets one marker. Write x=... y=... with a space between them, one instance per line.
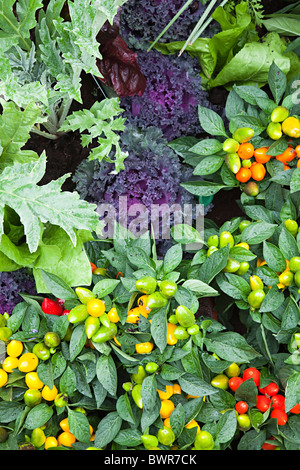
x=51 y=307
x=278 y=402
x=271 y=389
x=263 y=403
x=241 y=407
x=66 y=312
x=234 y=383
x=252 y=373
x=280 y=415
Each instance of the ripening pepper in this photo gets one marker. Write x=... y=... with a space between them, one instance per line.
x=168 y=288
x=251 y=189
x=291 y=127
x=255 y=298
x=243 y=134
x=256 y=283
x=279 y=114
x=136 y=395
x=226 y=238
x=184 y=316
x=139 y=377
x=84 y=295
x=105 y=333
x=274 y=130
x=233 y=162
x=232 y=266
x=213 y=240
x=147 y=285
x=291 y=226
x=156 y=300
x=231 y=146
x=78 y=314
x=92 y=325
x=244 y=267
x=211 y=250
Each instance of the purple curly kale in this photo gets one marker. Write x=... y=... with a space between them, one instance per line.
x=11 y=284
x=152 y=176
x=172 y=95
x=143 y=20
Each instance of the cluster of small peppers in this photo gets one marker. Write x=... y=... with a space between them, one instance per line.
x=270 y=401
x=100 y=326
x=181 y=324
x=248 y=162
x=165 y=435
x=215 y=242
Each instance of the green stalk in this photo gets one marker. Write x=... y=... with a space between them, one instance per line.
x=200 y=26
x=182 y=9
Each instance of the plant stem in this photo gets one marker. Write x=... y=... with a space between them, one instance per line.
x=182 y=9
x=200 y=26
x=35 y=130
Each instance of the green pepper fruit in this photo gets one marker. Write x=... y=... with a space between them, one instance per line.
x=244 y=422
x=78 y=314
x=180 y=333
x=251 y=189
x=226 y=238
x=151 y=367
x=243 y=134
x=139 y=377
x=220 y=381
x=156 y=300
x=136 y=395
x=297 y=339
x=184 y=316
x=5 y=333
x=204 y=441
x=246 y=163
x=38 y=437
x=147 y=285
x=92 y=325
x=173 y=319
x=127 y=386
x=243 y=225
x=211 y=250
x=3 y=435
x=168 y=288
x=294 y=264
x=84 y=295
x=104 y=320
x=274 y=130
x=52 y=339
x=291 y=226
x=193 y=330
x=105 y=333
x=286 y=278
x=166 y=436
x=232 y=266
x=41 y=351
x=255 y=283
x=233 y=162
x=244 y=267
x=213 y=240
x=255 y=298
x=231 y=146
x=149 y=441
x=61 y=400
x=2 y=321
x=279 y=114
x=32 y=397
x=297 y=279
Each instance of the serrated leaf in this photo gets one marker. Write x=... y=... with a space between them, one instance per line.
x=37 y=205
